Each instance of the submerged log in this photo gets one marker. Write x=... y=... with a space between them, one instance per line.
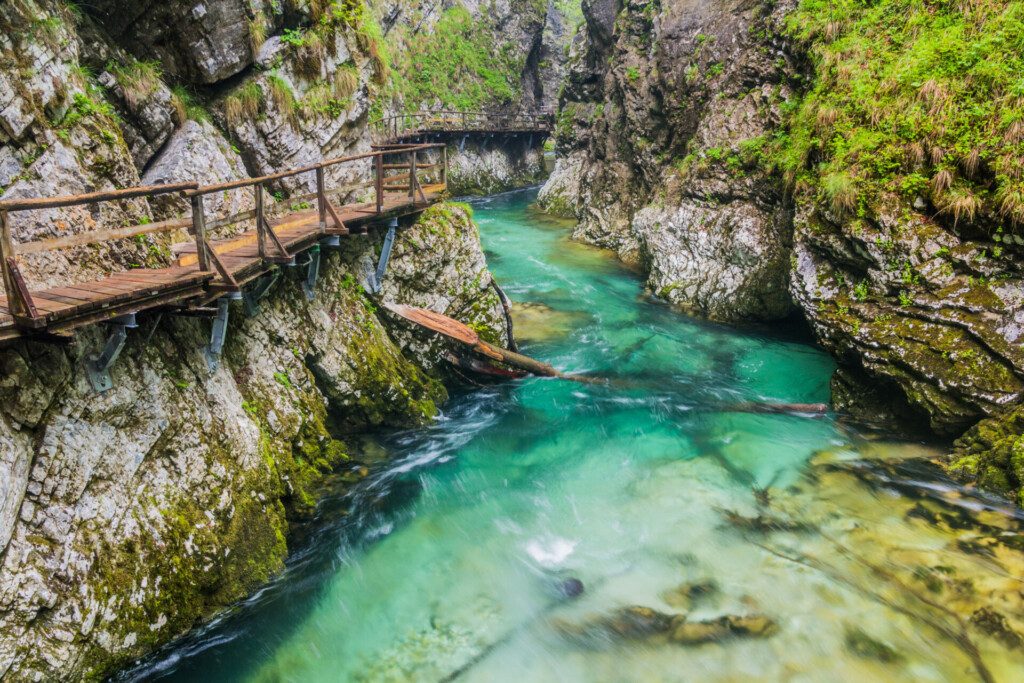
x=462 y=333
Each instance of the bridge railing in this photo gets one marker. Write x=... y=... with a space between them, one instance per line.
x=436 y=121
x=19 y=298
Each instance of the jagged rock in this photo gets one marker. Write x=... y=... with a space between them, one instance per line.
x=203 y=42
x=301 y=122
x=651 y=134
x=198 y=152
x=148 y=118
x=475 y=167
x=460 y=282
x=992 y=454
x=950 y=348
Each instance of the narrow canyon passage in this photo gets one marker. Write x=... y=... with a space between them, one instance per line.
x=835 y=555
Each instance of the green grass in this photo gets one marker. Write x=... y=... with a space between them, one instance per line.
x=138 y=80
x=911 y=97
x=459 y=65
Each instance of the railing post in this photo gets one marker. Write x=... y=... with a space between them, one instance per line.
x=321 y=198
x=412 y=175
x=199 y=228
x=378 y=164
x=6 y=252
x=444 y=166
x=261 y=237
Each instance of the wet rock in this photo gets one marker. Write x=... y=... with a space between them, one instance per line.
x=476 y=167
x=861 y=644
x=992 y=454
x=764 y=523
x=995 y=624
x=698 y=632
x=682 y=596
x=628 y=623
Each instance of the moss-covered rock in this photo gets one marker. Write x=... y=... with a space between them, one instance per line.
x=992 y=454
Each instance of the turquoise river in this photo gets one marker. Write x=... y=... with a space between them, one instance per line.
x=546 y=530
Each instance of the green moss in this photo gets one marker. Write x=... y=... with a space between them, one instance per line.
x=909 y=98
x=992 y=455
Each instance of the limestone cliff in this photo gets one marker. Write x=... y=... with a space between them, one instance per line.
x=860 y=164
x=127 y=516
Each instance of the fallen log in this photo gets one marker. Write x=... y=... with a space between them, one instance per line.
x=459 y=332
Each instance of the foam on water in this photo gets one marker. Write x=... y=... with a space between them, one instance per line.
x=450 y=558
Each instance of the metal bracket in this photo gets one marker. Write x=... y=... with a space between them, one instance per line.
x=251 y=297
x=385 y=256
x=97 y=367
x=331 y=242
x=219 y=331
x=312 y=272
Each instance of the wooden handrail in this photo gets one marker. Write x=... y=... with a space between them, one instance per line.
x=81 y=238
x=93 y=197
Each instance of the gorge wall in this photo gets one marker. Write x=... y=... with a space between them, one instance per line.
x=860 y=165
x=127 y=517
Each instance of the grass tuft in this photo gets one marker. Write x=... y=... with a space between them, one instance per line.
x=960 y=202
x=841 y=191
x=244 y=104
x=138 y=80
x=346 y=80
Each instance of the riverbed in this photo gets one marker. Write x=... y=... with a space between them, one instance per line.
x=545 y=530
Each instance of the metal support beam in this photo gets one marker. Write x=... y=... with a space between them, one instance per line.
x=252 y=296
x=219 y=331
x=385 y=256
x=312 y=272
x=97 y=367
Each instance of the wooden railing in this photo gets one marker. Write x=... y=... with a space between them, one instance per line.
x=400 y=126
x=23 y=308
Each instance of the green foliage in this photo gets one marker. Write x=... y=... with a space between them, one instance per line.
x=459 y=65
x=911 y=97
x=138 y=80
x=187 y=105
x=244 y=104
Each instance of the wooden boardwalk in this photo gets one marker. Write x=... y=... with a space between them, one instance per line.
x=207 y=269
x=442 y=124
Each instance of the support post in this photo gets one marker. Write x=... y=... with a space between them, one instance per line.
x=218 y=332
x=378 y=163
x=385 y=256
x=321 y=199
x=251 y=297
x=312 y=272
x=261 y=236
x=97 y=367
x=199 y=229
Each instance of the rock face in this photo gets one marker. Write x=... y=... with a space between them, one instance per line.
x=707 y=143
x=478 y=166
x=204 y=42
x=127 y=516
x=655 y=123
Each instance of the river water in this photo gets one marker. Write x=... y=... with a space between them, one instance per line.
x=832 y=555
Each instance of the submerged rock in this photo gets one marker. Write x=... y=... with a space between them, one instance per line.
x=644 y=623
x=698 y=632
x=861 y=644
x=683 y=595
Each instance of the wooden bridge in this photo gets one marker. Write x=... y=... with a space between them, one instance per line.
x=443 y=124
x=208 y=269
